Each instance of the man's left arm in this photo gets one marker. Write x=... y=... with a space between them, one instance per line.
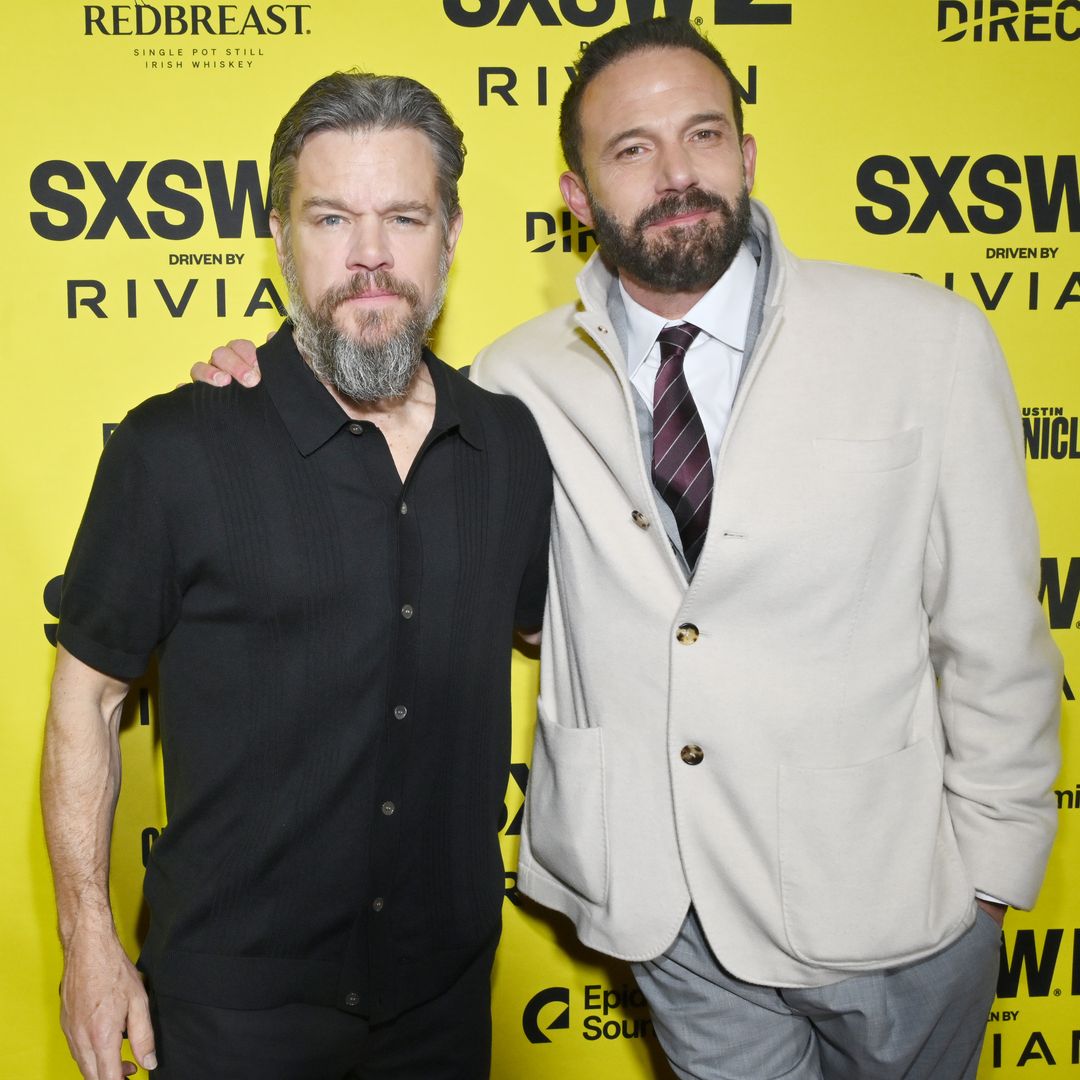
x=999 y=672
x=532 y=594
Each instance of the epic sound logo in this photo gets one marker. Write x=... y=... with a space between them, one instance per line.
x=1009 y=20
x=591 y=13
x=608 y=1013
x=530 y=1016
x=207 y=20
x=1040 y=193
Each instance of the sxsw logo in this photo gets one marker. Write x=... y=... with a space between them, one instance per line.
x=235 y=193
x=1007 y=192
x=51 y=599
x=590 y=13
x=1060 y=591
x=1037 y=966
x=510 y=824
x=1009 y=20
x=553 y=996
x=516 y=788
x=564 y=230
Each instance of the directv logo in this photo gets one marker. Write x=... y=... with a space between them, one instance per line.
x=563 y=230
x=530 y=1016
x=1009 y=20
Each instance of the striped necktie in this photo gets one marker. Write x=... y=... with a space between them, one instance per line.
x=682 y=463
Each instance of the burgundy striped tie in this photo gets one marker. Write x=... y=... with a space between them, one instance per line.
x=682 y=463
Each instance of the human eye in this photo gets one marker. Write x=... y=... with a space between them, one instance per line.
x=628 y=153
x=706 y=135
x=330 y=220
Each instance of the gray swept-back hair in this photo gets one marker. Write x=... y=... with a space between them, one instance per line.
x=359 y=101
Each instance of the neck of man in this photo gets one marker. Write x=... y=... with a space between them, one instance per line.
x=668 y=305
x=419 y=396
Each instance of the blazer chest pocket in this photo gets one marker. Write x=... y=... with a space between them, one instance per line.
x=869 y=455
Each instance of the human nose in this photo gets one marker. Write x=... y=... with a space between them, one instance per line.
x=676 y=170
x=368 y=248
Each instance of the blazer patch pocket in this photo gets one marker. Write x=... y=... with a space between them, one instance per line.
x=870 y=455
x=566 y=787
x=869 y=866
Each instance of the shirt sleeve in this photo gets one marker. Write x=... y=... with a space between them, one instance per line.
x=532 y=594
x=119 y=596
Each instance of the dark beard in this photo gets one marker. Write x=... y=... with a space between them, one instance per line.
x=686 y=258
x=377 y=362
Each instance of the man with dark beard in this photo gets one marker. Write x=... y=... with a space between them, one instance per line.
x=332 y=616
x=799 y=703
x=798 y=722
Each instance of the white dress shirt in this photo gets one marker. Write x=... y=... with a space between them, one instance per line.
x=714 y=360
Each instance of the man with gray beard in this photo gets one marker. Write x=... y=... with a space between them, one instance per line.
x=332 y=616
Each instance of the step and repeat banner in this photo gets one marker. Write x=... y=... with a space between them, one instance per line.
x=933 y=137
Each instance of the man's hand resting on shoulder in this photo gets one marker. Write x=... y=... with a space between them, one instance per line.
x=237 y=360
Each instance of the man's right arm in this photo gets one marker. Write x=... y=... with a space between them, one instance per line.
x=101 y=993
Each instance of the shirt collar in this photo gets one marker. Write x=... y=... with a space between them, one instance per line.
x=312 y=416
x=722 y=313
x=456 y=402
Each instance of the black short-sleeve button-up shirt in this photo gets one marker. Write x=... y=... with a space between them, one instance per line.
x=333 y=652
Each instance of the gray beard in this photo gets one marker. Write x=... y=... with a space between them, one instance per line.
x=378 y=363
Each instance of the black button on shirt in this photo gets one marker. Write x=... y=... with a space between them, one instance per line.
x=258 y=547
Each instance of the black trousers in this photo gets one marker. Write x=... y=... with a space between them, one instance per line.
x=448 y=1038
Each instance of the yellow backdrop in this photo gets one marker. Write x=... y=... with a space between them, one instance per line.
x=936 y=138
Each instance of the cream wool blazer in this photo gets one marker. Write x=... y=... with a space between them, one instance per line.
x=872 y=681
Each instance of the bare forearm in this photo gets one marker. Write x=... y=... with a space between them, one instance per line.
x=101 y=993
x=80 y=781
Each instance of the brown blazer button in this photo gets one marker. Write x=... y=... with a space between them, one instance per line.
x=639 y=519
x=692 y=754
x=687 y=634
